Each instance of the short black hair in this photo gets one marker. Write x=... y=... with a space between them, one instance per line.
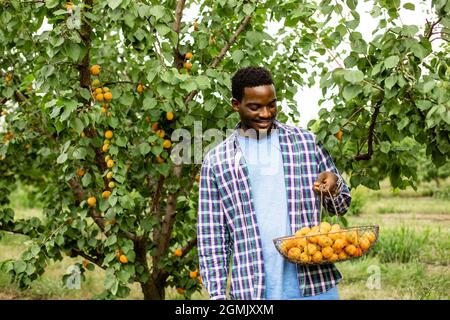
x=249 y=77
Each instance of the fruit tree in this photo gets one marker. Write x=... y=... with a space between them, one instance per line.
x=93 y=92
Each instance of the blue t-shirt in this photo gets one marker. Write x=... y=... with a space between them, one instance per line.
x=266 y=174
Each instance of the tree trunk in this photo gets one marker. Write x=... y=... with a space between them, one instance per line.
x=153 y=290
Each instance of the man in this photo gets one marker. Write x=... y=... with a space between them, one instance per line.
x=264 y=182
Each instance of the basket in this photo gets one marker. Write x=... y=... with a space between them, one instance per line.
x=327 y=243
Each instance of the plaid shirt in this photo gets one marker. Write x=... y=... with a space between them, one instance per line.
x=227 y=221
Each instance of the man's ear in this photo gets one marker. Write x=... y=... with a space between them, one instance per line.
x=236 y=104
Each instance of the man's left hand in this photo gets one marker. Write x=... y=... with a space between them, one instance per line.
x=326 y=183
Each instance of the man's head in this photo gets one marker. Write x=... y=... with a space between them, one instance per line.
x=254 y=98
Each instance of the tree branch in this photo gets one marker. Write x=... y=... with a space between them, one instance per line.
x=191 y=244
x=88 y=257
x=177 y=57
x=223 y=52
x=368 y=155
x=430 y=31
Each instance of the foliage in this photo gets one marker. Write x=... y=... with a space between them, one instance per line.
x=391 y=91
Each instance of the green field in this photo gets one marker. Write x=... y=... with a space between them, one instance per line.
x=412 y=256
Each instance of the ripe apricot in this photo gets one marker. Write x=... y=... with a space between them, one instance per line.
x=169 y=115
x=339 y=135
x=91 y=201
x=178 y=253
x=187 y=65
x=109 y=175
x=110 y=163
x=99 y=97
x=188 y=55
x=106 y=194
x=105 y=148
x=140 y=88
x=95 y=69
x=80 y=172
x=193 y=274
x=111 y=184
x=167 y=144
x=108 y=96
x=108 y=134
x=123 y=259
x=317 y=257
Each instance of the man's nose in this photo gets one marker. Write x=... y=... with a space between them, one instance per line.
x=265 y=113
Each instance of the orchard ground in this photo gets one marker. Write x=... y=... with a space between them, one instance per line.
x=411 y=258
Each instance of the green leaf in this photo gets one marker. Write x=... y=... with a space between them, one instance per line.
x=144 y=148
x=428 y=86
x=353 y=76
x=162 y=29
x=385 y=146
x=351 y=91
x=112 y=239
x=237 y=56
x=80 y=153
x=113 y=4
x=156 y=150
x=391 y=62
x=86 y=180
x=409 y=6
x=51 y=3
x=20 y=266
x=203 y=82
x=62 y=158
x=157 y=11
x=73 y=50
x=122 y=141
x=149 y=103
x=390 y=81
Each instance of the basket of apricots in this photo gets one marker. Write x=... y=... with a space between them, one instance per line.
x=327 y=243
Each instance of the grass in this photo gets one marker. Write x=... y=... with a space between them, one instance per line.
x=411 y=256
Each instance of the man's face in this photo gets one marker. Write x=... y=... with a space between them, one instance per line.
x=258 y=108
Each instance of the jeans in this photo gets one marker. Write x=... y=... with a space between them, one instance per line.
x=331 y=294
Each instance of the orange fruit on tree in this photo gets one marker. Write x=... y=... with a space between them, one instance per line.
x=108 y=96
x=187 y=65
x=140 y=88
x=123 y=259
x=104 y=110
x=110 y=163
x=167 y=144
x=178 y=253
x=98 y=91
x=155 y=126
x=193 y=274
x=109 y=175
x=188 y=55
x=105 y=89
x=169 y=115
x=339 y=135
x=111 y=184
x=106 y=194
x=160 y=133
x=108 y=134
x=95 y=69
x=91 y=201
x=80 y=172
x=105 y=148
x=197 y=178
x=107 y=158
x=99 y=97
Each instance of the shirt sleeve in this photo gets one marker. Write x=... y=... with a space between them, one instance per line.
x=213 y=237
x=343 y=198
